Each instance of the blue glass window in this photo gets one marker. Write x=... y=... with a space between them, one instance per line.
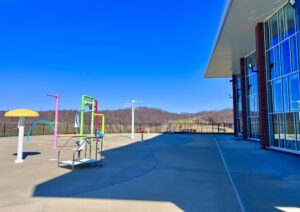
x=256 y=105
x=277 y=96
x=271 y=64
x=252 y=96
x=275 y=131
x=281 y=125
x=285 y=57
x=252 y=106
x=285 y=85
x=294 y=52
x=290 y=20
x=294 y=92
x=277 y=61
x=281 y=25
x=250 y=85
x=270 y=97
x=283 y=76
x=255 y=84
x=290 y=132
x=254 y=65
x=297 y=125
x=249 y=65
x=274 y=30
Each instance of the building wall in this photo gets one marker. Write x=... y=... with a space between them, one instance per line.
x=252 y=96
x=278 y=81
x=282 y=59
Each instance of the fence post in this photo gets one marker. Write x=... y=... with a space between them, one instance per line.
x=218 y=128
x=43 y=129
x=4 y=130
x=110 y=128
x=224 y=127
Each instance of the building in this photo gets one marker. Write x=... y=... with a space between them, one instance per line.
x=258 y=46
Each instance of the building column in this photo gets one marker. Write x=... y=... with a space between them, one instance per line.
x=234 y=98
x=262 y=86
x=244 y=98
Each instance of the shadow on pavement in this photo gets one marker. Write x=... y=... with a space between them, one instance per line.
x=187 y=171
x=26 y=154
x=120 y=167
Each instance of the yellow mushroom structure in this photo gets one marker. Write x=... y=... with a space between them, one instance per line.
x=21 y=113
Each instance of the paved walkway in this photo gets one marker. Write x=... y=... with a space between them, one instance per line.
x=164 y=173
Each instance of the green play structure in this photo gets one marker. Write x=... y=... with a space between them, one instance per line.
x=90 y=143
x=90 y=102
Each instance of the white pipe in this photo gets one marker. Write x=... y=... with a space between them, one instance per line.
x=20 y=140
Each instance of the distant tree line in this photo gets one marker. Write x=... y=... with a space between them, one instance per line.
x=142 y=116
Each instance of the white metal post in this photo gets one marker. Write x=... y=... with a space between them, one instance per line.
x=132 y=118
x=20 y=140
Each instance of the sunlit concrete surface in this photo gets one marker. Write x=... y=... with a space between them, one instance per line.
x=164 y=173
x=290 y=209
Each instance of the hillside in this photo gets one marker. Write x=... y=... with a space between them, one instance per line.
x=222 y=116
x=142 y=115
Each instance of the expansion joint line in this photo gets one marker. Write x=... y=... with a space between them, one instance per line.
x=230 y=178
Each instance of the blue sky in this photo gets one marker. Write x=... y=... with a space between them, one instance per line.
x=150 y=50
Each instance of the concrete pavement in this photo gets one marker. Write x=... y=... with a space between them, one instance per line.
x=164 y=173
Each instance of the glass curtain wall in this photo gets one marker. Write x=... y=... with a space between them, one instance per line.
x=252 y=97
x=239 y=105
x=282 y=60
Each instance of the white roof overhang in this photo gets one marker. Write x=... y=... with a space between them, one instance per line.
x=236 y=35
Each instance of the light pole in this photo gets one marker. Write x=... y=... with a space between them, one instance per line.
x=133 y=108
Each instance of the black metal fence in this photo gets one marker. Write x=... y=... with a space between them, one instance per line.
x=10 y=129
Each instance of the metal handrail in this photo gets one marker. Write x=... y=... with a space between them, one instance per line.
x=88 y=142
